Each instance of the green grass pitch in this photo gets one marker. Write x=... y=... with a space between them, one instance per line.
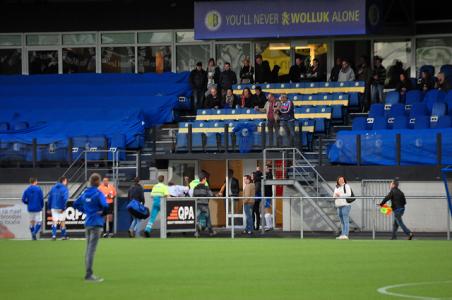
x=185 y=268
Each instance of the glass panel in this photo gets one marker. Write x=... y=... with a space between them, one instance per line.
x=154 y=59
x=396 y=59
x=43 y=62
x=10 y=61
x=181 y=169
x=154 y=37
x=275 y=55
x=188 y=56
x=232 y=53
x=79 y=39
x=79 y=60
x=433 y=51
x=185 y=36
x=118 y=38
x=118 y=59
x=43 y=39
x=10 y=40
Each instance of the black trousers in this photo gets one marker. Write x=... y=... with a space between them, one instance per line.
x=257 y=214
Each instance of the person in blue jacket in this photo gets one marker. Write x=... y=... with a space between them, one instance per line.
x=92 y=203
x=58 y=196
x=34 y=199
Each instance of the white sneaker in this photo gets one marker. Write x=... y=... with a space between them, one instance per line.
x=345 y=237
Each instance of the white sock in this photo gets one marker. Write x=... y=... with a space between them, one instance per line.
x=268 y=220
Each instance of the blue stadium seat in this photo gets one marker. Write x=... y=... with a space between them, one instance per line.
x=376 y=110
x=379 y=123
x=294 y=97
x=413 y=96
x=359 y=123
x=20 y=126
x=118 y=142
x=439 y=109
x=337 y=112
x=400 y=122
x=396 y=110
x=353 y=99
x=447 y=70
x=440 y=122
x=420 y=122
x=392 y=97
x=418 y=109
x=52 y=152
x=433 y=96
x=79 y=144
x=4 y=126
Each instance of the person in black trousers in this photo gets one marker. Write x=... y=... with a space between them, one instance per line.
x=257 y=179
x=398 y=203
x=136 y=192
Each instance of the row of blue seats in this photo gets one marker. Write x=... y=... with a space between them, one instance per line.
x=417 y=109
x=298 y=85
x=415 y=96
x=401 y=122
x=59 y=151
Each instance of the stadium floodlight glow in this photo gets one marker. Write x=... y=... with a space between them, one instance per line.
x=447 y=178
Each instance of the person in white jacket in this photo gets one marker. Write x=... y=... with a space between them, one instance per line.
x=341 y=192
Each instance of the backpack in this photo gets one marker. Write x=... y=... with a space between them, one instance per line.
x=138 y=210
x=350 y=200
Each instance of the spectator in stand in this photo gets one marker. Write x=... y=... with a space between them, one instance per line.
x=213 y=74
x=364 y=73
x=249 y=192
x=442 y=84
x=270 y=109
x=274 y=76
x=334 y=75
x=404 y=84
x=136 y=192
x=346 y=73
x=394 y=72
x=198 y=82
x=246 y=72
x=258 y=97
x=268 y=190
x=426 y=82
x=262 y=70
x=378 y=81
x=213 y=100
x=315 y=74
x=246 y=100
x=229 y=100
x=257 y=179
x=298 y=71
x=287 y=118
x=227 y=78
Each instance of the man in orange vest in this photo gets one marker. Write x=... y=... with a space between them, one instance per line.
x=109 y=192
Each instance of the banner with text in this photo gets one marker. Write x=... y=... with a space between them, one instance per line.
x=256 y=19
x=14 y=220
x=75 y=219
x=180 y=215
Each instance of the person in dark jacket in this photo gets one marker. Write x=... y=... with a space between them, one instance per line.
x=257 y=179
x=213 y=100
x=246 y=100
x=136 y=192
x=246 y=72
x=315 y=73
x=227 y=78
x=394 y=72
x=378 y=81
x=287 y=119
x=203 y=190
x=198 y=82
x=93 y=204
x=364 y=73
x=229 y=100
x=442 y=84
x=334 y=75
x=426 y=82
x=398 y=203
x=262 y=70
x=298 y=71
x=268 y=193
x=404 y=85
x=258 y=98
x=34 y=200
x=234 y=187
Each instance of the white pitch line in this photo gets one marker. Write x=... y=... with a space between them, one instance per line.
x=385 y=290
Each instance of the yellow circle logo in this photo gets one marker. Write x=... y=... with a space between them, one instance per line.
x=213 y=20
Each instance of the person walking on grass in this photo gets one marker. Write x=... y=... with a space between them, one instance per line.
x=58 y=196
x=136 y=192
x=341 y=192
x=92 y=202
x=158 y=191
x=34 y=200
x=398 y=202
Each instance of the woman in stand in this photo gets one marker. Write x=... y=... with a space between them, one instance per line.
x=341 y=192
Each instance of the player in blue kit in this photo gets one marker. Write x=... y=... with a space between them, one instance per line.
x=34 y=199
x=58 y=196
